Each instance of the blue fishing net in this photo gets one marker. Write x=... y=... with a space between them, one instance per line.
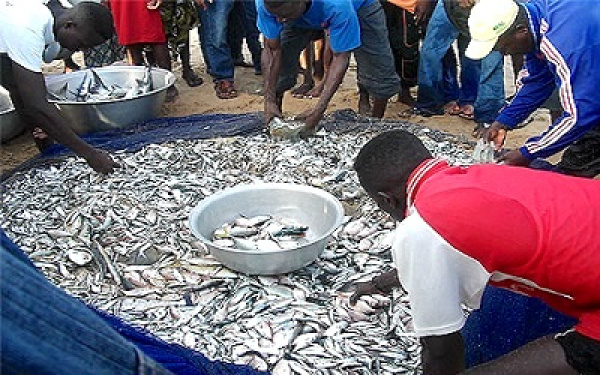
x=505 y=321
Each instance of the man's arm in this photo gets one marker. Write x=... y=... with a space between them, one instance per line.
x=31 y=86
x=337 y=70
x=382 y=284
x=535 y=84
x=542 y=356
x=271 y=65
x=443 y=355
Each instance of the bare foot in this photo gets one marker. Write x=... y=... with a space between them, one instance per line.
x=302 y=90
x=364 y=105
x=316 y=91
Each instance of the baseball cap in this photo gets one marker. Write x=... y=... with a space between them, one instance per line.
x=489 y=19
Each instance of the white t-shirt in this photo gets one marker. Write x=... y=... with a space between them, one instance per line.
x=437 y=277
x=26 y=33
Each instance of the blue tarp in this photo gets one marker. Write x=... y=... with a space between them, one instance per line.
x=505 y=321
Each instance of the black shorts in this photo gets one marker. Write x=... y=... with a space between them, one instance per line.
x=583 y=353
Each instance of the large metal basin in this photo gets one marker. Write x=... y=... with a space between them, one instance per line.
x=111 y=114
x=10 y=124
x=321 y=211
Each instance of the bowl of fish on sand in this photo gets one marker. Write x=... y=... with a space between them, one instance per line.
x=109 y=98
x=266 y=228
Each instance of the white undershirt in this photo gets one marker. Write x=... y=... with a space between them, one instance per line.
x=437 y=277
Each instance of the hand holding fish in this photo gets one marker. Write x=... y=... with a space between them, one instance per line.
x=311 y=120
x=494 y=133
x=382 y=284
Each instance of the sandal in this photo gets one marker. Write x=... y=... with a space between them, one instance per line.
x=225 y=90
x=452 y=108
x=467 y=111
x=192 y=79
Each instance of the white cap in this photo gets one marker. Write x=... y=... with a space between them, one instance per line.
x=489 y=19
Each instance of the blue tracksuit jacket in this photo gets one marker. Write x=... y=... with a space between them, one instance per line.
x=567 y=56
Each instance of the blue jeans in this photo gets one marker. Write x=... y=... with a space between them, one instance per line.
x=213 y=38
x=46 y=331
x=482 y=82
x=466 y=91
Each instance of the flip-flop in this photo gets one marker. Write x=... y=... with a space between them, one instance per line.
x=225 y=90
x=467 y=111
x=452 y=108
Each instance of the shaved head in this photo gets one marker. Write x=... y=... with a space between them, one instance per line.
x=388 y=160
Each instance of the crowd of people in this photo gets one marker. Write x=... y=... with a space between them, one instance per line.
x=552 y=247
x=402 y=45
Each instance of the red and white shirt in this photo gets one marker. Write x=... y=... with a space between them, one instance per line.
x=534 y=232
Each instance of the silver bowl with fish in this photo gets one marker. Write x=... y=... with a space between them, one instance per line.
x=108 y=98
x=10 y=123
x=319 y=212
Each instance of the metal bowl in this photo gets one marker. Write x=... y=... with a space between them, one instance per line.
x=116 y=113
x=10 y=123
x=321 y=211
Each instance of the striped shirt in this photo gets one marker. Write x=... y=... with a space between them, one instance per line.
x=567 y=56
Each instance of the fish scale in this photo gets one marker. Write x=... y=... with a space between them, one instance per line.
x=185 y=295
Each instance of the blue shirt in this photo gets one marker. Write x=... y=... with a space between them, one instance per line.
x=567 y=56
x=337 y=16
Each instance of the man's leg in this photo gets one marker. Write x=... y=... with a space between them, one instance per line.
x=469 y=80
x=214 y=24
x=439 y=37
x=252 y=34
x=490 y=93
x=293 y=41
x=374 y=61
x=409 y=54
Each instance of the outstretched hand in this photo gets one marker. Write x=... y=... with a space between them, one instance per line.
x=101 y=162
x=364 y=288
x=494 y=133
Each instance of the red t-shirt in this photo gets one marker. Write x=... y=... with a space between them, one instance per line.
x=534 y=232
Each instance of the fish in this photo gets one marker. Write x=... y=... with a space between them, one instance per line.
x=299 y=322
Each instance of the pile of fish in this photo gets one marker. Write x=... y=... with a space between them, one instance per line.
x=93 y=89
x=263 y=233
x=122 y=243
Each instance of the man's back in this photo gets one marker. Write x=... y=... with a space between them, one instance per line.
x=521 y=224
